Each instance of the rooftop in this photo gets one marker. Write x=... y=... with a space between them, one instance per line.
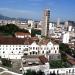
x=33 y=60
x=15 y=41
x=21 y=33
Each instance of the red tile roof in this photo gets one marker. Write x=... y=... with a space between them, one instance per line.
x=45 y=41
x=13 y=40
x=22 y=33
x=71 y=62
x=43 y=59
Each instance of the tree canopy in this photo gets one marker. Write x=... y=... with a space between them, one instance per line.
x=30 y=72
x=10 y=29
x=58 y=64
x=65 y=48
x=6 y=62
x=34 y=32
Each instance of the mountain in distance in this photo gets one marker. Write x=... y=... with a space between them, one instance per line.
x=2 y=17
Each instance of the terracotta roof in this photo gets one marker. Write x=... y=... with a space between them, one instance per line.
x=46 y=41
x=43 y=59
x=35 y=38
x=21 y=33
x=71 y=61
x=13 y=40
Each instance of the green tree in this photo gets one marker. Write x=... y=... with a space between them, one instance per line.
x=6 y=62
x=30 y=72
x=65 y=48
x=10 y=29
x=40 y=72
x=58 y=64
x=34 y=32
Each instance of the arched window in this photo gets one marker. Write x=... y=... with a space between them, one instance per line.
x=55 y=51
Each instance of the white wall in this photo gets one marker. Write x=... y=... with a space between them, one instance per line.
x=66 y=37
x=16 y=51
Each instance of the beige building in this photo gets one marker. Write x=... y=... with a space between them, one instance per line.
x=45 y=24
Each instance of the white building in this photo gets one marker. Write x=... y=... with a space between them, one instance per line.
x=31 y=23
x=60 y=71
x=35 y=63
x=15 y=48
x=51 y=28
x=66 y=37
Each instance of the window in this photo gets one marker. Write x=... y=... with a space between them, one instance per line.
x=33 y=52
x=55 y=51
x=12 y=51
x=47 y=48
x=41 y=48
x=30 y=47
x=69 y=71
x=73 y=70
x=26 y=49
x=6 y=46
x=25 y=54
x=42 y=52
x=3 y=51
x=19 y=48
x=38 y=52
x=33 y=48
x=16 y=48
x=30 y=53
x=49 y=51
x=36 y=48
x=57 y=48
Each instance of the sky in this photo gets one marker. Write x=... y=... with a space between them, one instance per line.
x=33 y=9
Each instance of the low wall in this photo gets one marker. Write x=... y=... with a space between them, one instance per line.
x=65 y=71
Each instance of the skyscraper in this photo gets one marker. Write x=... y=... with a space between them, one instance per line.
x=45 y=24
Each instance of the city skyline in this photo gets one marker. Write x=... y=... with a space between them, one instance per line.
x=63 y=9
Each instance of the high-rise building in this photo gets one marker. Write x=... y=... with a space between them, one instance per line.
x=45 y=24
x=58 y=22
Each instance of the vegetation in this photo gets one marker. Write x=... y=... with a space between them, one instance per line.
x=10 y=29
x=6 y=62
x=64 y=48
x=29 y=72
x=58 y=64
x=34 y=32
